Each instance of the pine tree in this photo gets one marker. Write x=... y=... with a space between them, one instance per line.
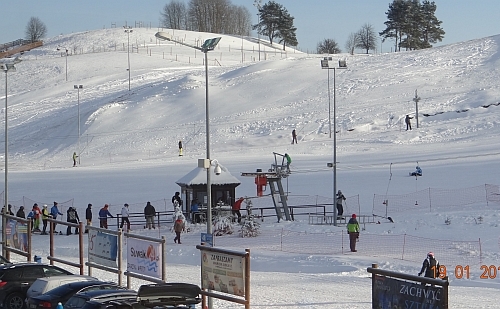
x=222 y=225
x=251 y=227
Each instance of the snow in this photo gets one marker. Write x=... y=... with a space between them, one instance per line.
x=129 y=150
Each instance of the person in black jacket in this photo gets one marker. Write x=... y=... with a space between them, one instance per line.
x=88 y=216
x=430 y=267
x=176 y=200
x=20 y=213
x=149 y=214
x=72 y=217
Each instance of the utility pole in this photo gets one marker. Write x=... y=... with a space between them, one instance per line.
x=416 y=99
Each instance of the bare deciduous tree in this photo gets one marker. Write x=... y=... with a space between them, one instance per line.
x=328 y=46
x=350 y=44
x=366 y=38
x=174 y=15
x=35 y=30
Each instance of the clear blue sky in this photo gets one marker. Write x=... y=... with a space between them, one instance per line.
x=315 y=19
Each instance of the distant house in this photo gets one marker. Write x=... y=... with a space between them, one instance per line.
x=194 y=185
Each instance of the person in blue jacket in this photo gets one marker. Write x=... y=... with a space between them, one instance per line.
x=54 y=211
x=103 y=216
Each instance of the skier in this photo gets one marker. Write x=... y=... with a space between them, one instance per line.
x=340 y=208
x=72 y=217
x=36 y=219
x=353 y=231
x=103 y=216
x=236 y=208
x=430 y=267
x=74 y=158
x=180 y=148
x=125 y=215
x=54 y=211
x=179 y=226
x=88 y=216
x=408 y=122
x=149 y=214
x=45 y=216
x=417 y=172
x=294 y=136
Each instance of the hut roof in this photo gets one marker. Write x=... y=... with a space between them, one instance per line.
x=198 y=176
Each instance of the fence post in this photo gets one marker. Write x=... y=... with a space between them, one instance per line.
x=404 y=243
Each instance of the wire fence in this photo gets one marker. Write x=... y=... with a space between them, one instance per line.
x=432 y=199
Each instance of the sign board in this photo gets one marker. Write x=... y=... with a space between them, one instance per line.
x=103 y=248
x=207 y=239
x=17 y=235
x=223 y=272
x=210 y=44
x=144 y=257
x=389 y=293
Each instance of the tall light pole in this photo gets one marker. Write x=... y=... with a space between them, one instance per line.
x=325 y=65
x=128 y=30
x=78 y=87
x=6 y=67
x=258 y=6
x=59 y=48
x=207 y=46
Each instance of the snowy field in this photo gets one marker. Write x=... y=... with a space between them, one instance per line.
x=128 y=145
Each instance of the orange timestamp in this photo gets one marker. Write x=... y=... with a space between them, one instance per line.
x=463 y=271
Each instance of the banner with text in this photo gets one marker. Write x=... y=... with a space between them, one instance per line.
x=144 y=257
x=223 y=272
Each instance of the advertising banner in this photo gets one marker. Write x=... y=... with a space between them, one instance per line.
x=144 y=257
x=223 y=272
x=103 y=248
x=390 y=293
x=17 y=235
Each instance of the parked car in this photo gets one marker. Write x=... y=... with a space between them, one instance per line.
x=66 y=291
x=79 y=300
x=15 y=279
x=4 y=261
x=164 y=296
x=43 y=285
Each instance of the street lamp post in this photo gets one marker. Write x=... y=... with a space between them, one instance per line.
x=78 y=87
x=128 y=30
x=325 y=65
x=207 y=46
x=66 y=62
x=6 y=67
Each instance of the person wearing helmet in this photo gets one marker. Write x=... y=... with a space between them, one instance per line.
x=353 y=231
x=339 y=200
x=430 y=267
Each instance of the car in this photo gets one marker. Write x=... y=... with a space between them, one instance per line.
x=158 y=296
x=4 y=261
x=15 y=279
x=79 y=300
x=43 y=285
x=64 y=292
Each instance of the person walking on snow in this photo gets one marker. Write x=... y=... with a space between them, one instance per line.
x=353 y=231
x=103 y=216
x=179 y=226
x=288 y=162
x=75 y=156
x=125 y=215
x=408 y=122
x=294 y=136
x=430 y=267
x=180 y=148
x=340 y=199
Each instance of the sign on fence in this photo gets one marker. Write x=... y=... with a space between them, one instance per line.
x=103 y=248
x=144 y=257
x=17 y=235
x=223 y=272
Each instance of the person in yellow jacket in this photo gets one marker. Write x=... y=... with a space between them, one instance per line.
x=353 y=231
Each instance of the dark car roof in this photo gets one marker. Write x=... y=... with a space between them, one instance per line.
x=6 y=267
x=73 y=286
